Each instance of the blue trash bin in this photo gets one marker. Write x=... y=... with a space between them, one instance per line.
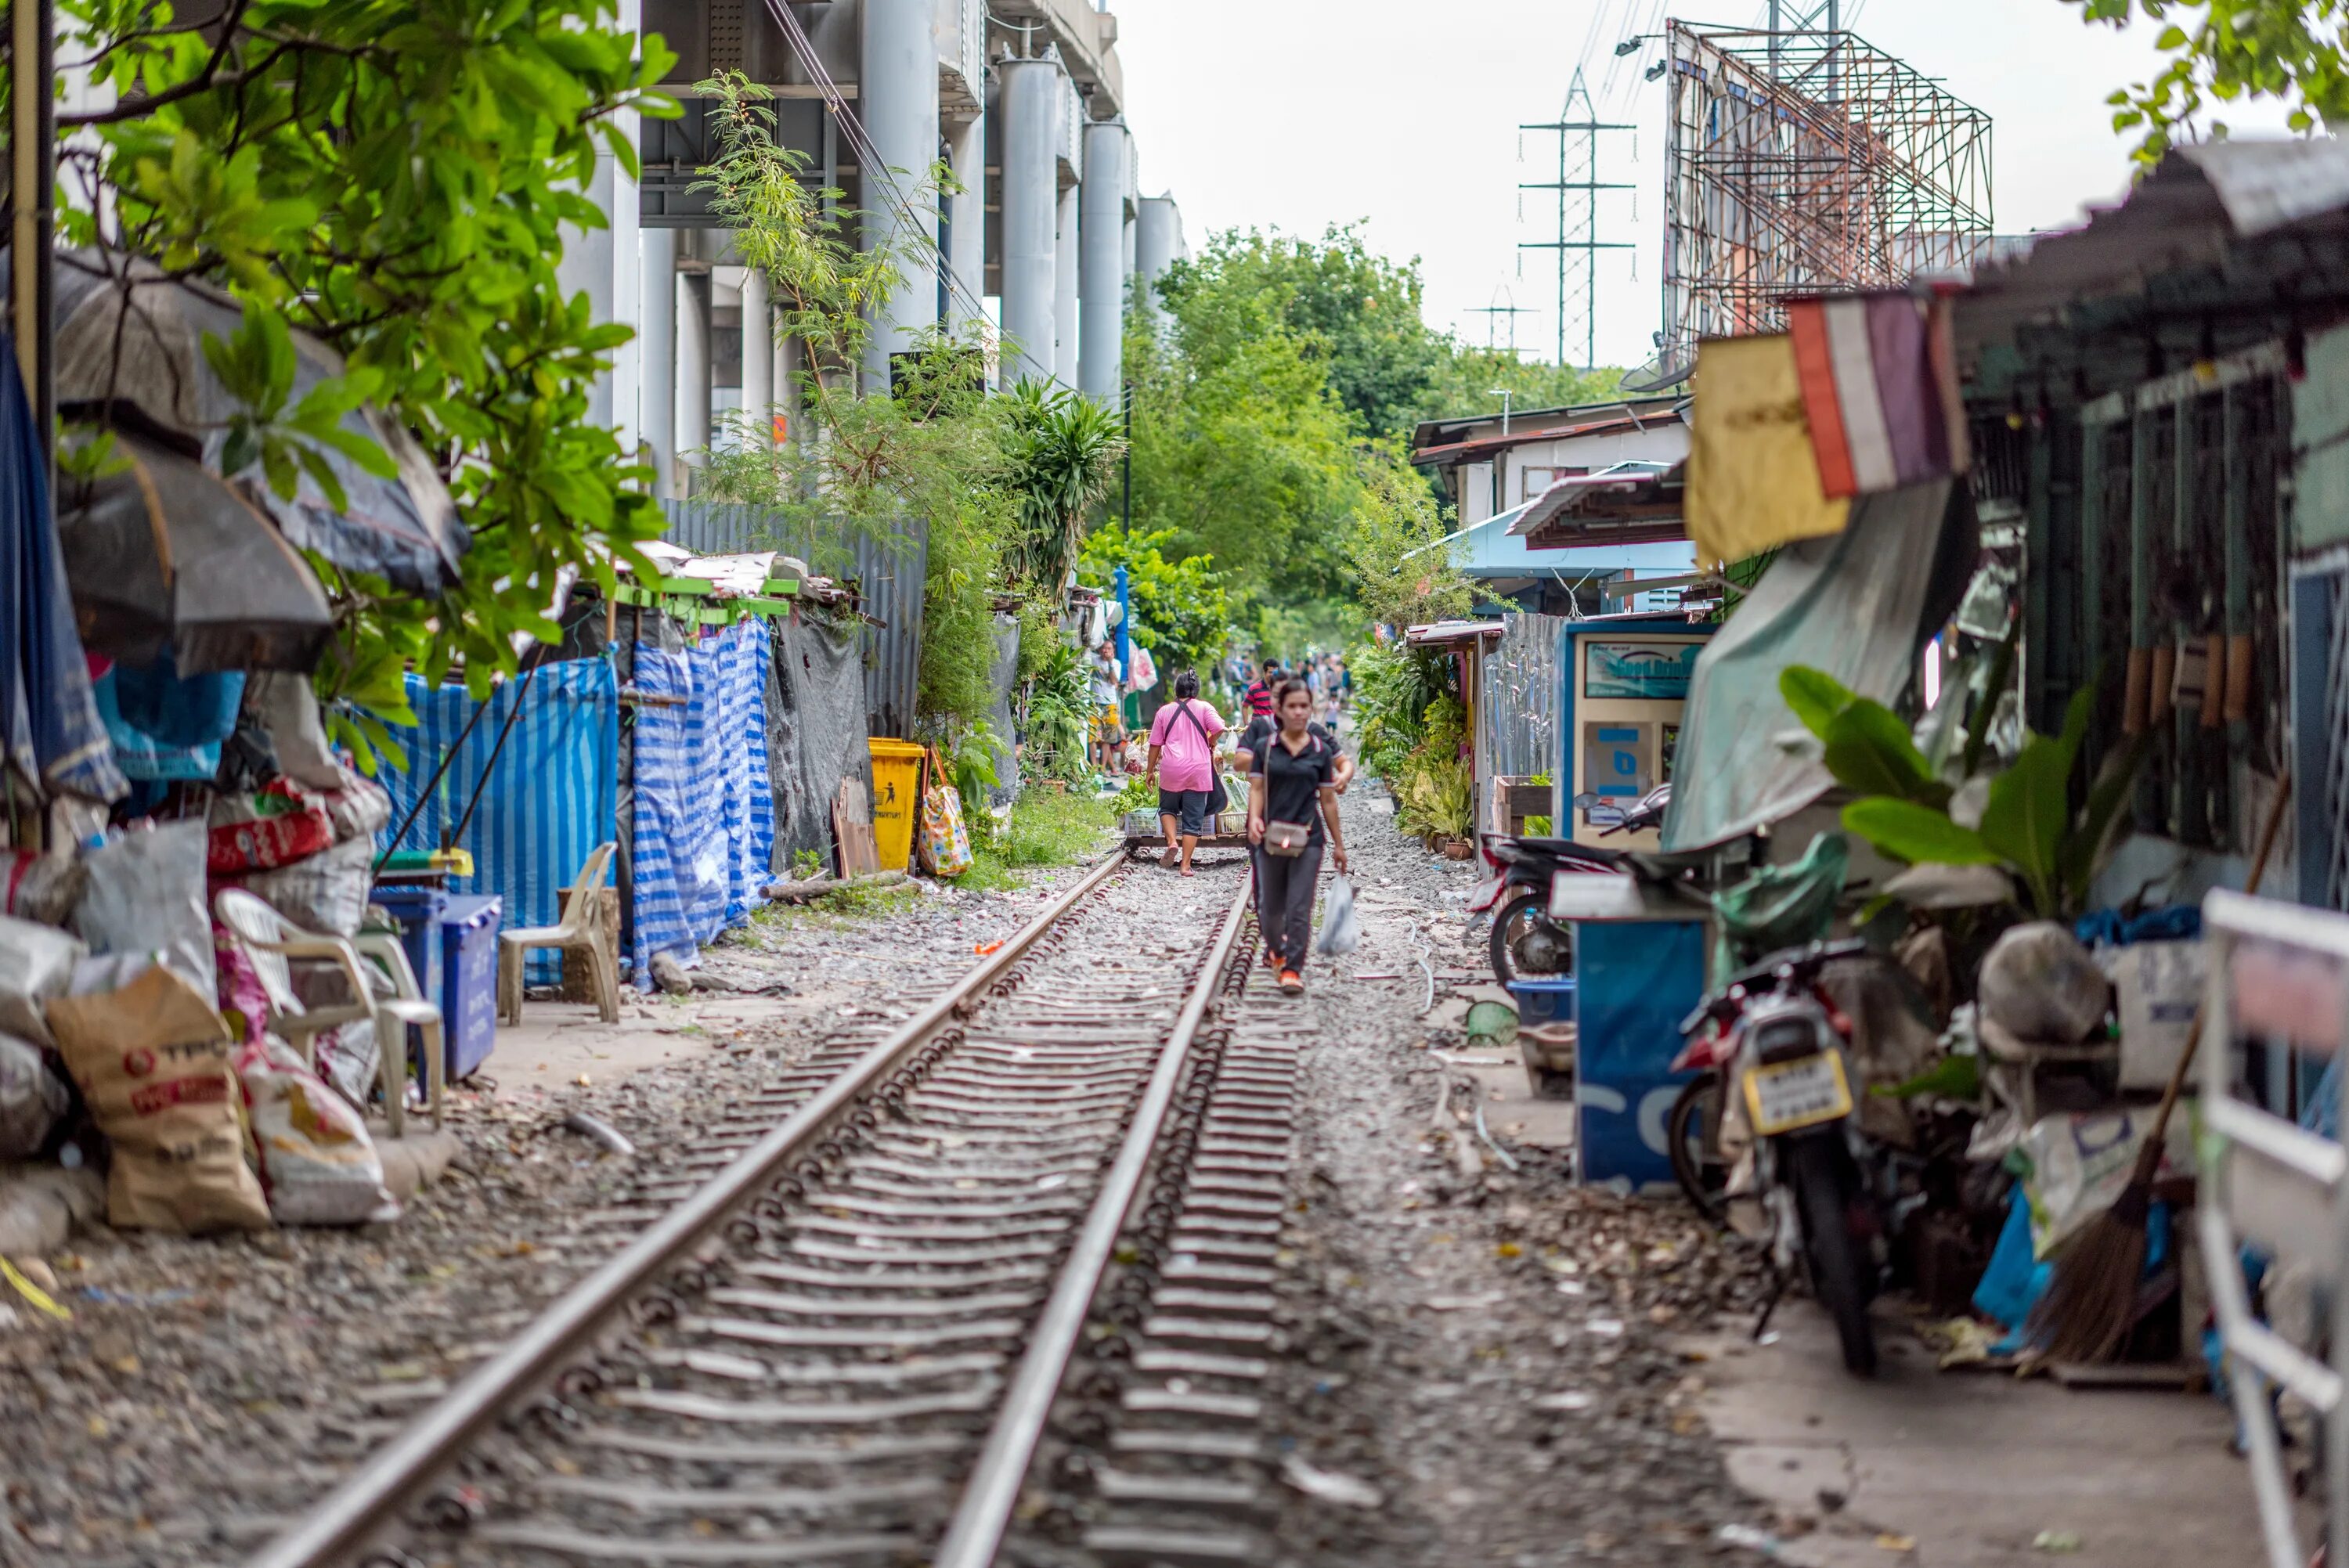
x=418 y=910
x=469 y=981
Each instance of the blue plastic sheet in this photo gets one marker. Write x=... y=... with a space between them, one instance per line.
x=705 y=821
x=551 y=798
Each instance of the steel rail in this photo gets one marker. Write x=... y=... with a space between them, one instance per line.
x=349 y=1518
x=988 y=1497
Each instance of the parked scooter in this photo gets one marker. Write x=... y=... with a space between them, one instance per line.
x=1525 y=940
x=1771 y=1036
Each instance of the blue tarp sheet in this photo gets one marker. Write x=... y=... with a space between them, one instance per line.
x=549 y=800
x=705 y=810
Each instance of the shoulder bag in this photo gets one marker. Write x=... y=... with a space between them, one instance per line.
x=1218 y=800
x=1286 y=840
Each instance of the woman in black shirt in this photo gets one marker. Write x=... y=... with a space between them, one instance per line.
x=1292 y=785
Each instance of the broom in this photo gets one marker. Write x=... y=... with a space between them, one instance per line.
x=2090 y=1304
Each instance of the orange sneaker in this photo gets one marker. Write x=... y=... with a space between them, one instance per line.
x=1292 y=983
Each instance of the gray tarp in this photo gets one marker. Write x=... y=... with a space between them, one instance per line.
x=815 y=729
x=1853 y=604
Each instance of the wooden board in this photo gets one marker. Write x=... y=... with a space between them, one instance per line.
x=851 y=828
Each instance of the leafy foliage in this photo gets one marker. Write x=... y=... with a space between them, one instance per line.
x=1402 y=571
x=2286 y=50
x=1060 y=715
x=2025 y=823
x=394 y=177
x=1393 y=689
x=1181 y=612
x=1062 y=450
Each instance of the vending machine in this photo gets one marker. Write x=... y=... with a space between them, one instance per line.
x=1625 y=681
x=1638 y=954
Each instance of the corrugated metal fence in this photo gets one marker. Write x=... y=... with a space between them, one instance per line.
x=1516 y=728
x=889 y=571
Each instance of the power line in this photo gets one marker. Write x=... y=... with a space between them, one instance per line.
x=1566 y=128
x=868 y=156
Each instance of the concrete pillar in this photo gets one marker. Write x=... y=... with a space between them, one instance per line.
x=967 y=222
x=758 y=357
x=1157 y=240
x=1101 y=277
x=692 y=370
x=1029 y=98
x=1065 y=283
x=605 y=265
x=898 y=99
x=656 y=391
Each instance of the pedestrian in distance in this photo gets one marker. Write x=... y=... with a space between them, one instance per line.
x=1257 y=697
x=1292 y=815
x=1260 y=730
x=1183 y=764
x=1109 y=734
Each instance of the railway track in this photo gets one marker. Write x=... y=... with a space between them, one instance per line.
x=995 y=1282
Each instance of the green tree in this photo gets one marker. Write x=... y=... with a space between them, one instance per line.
x=1402 y=571
x=1181 y=612
x=1467 y=376
x=2290 y=50
x=393 y=177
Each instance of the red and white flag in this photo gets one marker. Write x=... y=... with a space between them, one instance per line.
x=1880 y=381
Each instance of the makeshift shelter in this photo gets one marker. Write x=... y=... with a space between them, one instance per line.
x=1506 y=568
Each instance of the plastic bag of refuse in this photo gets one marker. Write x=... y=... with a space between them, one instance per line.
x=318 y=1167
x=326 y=892
x=1341 y=932
x=32 y=1099
x=2041 y=986
x=36 y=962
x=145 y=893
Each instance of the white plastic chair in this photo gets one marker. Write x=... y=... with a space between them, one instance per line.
x=269 y=939
x=576 y=932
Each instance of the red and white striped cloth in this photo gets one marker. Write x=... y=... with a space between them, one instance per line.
x=1879 y=382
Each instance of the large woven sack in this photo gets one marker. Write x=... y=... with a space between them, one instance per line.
x=153 y=1062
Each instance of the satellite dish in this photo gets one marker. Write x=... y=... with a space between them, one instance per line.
x=1670 y=368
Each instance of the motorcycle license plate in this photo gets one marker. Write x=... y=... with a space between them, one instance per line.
x=1785 y=1096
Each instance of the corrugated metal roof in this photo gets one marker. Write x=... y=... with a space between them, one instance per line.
x=2194 y=211
x=1622 y=419
x=1634 y=502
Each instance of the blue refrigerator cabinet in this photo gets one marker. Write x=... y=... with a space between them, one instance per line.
x=1639 y=969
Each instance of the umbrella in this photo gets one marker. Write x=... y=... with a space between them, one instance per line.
x=143 y=345
x=49 y=722
x=165 y=556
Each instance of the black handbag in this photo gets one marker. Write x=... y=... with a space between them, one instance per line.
x=1219 y=800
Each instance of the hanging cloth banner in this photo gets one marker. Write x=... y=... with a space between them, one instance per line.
x=1752 y=482
x=1879 y=383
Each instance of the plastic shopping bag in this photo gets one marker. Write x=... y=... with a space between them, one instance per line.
x=945 y=842
x=1340 y=930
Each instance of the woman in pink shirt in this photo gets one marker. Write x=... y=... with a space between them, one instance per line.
x=1183 y=762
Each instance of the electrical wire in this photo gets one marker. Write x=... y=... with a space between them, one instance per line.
x=868 y=156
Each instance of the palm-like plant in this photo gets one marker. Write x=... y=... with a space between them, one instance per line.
x=1063 y=449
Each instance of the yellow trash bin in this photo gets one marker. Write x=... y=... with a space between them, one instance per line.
x=896 y=801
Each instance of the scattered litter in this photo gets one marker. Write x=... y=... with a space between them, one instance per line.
x=2058 y=1542
x=598 y=1131
x=1328 y=1484
x=984 y=948
x=1887 y=1541
x=1469 y=1302
x=104 y=1297
x=1745 y=1535
x=39 y=1298
x=1606 y=1327
x=1378 y=973
x=1958 y=1342
x=1572 y=1401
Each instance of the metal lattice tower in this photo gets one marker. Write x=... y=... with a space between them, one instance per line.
x=1803 y=17
x=1577 y=208
x=1495 y=315
x=1801 y=162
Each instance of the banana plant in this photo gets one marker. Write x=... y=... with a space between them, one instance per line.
x=2018 y=818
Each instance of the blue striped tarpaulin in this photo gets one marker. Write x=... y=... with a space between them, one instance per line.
x=551 y=798
x=705 y=813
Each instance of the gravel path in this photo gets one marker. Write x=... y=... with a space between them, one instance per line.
x=1493 y=1352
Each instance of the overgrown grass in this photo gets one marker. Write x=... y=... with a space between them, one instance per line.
x=1048 y=828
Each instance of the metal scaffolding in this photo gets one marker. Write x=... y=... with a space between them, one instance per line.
x=1799 y=161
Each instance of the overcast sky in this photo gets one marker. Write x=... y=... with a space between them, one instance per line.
x=1300 y=113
